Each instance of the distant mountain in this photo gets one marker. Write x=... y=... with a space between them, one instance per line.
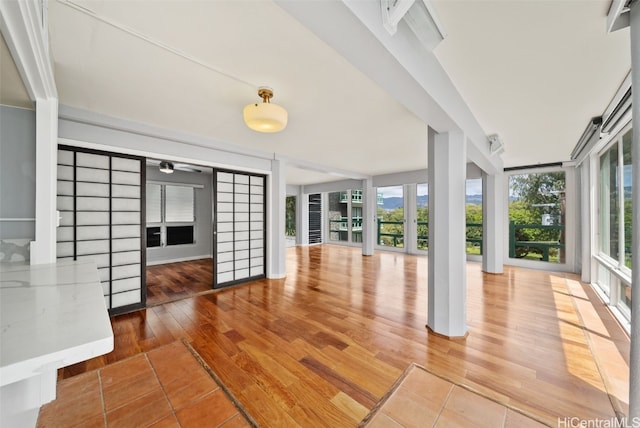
x=391 y=203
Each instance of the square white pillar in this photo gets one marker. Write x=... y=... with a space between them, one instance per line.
x=43 y=249
x=447 y=312
x=276 y=258
x=302 y=218
x=492 y=222
x=411 y=218
x=369 y=209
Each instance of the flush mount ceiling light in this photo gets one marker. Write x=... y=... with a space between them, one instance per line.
x=265 y=117
x=166 y=167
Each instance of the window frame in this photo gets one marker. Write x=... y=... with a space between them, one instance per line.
x=619 y=273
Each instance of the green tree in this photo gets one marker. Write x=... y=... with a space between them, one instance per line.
x=474 y=216
x=533 y=196
x=290 y=226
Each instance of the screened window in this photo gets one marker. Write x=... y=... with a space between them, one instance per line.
x=170 y=215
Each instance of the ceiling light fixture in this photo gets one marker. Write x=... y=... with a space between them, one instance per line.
x=265 y=117
x=166 y=167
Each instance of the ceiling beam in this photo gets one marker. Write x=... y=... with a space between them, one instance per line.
x=399 y=64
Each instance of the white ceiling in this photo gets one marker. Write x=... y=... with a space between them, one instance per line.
x=532 y=71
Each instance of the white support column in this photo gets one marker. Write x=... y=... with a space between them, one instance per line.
x=43 y=249
x=492 y=222
x=411 y=218
x=585 y=220
x=276 y=258
x=447 y=312
x=634 y=360
x=302 y=217
x=369 y=205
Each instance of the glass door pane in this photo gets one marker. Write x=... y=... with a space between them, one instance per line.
x=356 y=216
x=474 y=216
x=338 y=216
x=390 y=224
x=537 y=216
x=422 y=216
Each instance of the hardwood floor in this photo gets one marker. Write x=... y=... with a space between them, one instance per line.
x=322 y=346
x=174 y=281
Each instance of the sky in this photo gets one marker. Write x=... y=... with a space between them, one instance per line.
x=474 y=187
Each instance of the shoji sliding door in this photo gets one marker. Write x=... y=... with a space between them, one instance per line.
x=100 y=197
x=239 y=227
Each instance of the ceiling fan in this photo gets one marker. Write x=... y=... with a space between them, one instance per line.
x=168 y=166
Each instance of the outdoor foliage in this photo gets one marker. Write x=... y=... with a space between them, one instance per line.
x=534 y=197
x=290 y=226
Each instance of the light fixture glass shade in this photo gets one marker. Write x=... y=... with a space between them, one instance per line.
x=265 y=117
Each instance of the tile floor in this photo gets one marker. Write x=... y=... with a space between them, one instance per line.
x=421 y=399
x=166 y=387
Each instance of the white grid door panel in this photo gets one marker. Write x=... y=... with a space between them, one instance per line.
x=240 y=233
x=99 y=199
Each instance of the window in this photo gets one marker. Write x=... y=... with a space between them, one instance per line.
x=170 y=215
x=474 y=216
x=390 y=217
x=614 y=224
x=537 y=211
x=422 y=216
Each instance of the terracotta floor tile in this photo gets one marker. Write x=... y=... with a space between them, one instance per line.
x=78 y=399
x=450 y=419
x=518 y=420
x=211 y=410
x=381 y=420
x=97 y=421
x=167 y=422
x=411 y=410
x=479 y=411
x=238 y=421
x=119 y=390
x=425 y=384
x=173 y=362
x=143 y=411
x=122 y=371
x=181 y=394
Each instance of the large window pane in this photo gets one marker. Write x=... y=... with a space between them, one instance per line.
x=356 y=215
x=338 y=219
x=609 y=202
x=422 y=216
x=474 y=216
x=390 y=231
x=627 y=212
x=537 y=216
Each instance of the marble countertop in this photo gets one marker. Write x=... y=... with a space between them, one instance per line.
x=51 y=316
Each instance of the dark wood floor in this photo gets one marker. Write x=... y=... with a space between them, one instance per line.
x=322 y=346
x=174 y=281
